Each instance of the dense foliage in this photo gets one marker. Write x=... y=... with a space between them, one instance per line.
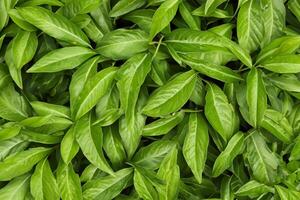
x=149 y=99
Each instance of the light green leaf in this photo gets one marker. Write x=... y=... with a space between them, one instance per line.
x=90 y=141
x=151 y=156
x=16 y=189
x=9 y=130
x=253 y=189
x=262 y=161
x=287 y=194
x=278 y=125
x=196 y=144
x=287 y=82
x=43 y=108
x=115 y=44
x=165 y=99
x=125 y=6
x=256 y=97
x=41 y=2
x=283 y=64
x=68 y=182
x=76 y=7
x=185 y=9
x=54 y=25
x=131 y=77
x=19 y=20
x=69 y=146
x=219 y=112
x=250 y=26
x=22 y=162
x=143 y=186
x=141 y=17
x=234 y=147
x=95 y=88
x=61 y=59
x=211 y=5
x=107 y=187
x=163 y=16
x=163 y=126
x=43 y=184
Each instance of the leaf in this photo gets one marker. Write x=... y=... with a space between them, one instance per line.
x=22 y=162
x=185 y=11
x=287 y=82
x=68 y=182
x=12 y=105
x=165 y=99
x=170 y=173
x=90 y=141
x=163 y=126
x=211 y=5
x=253 y=189
x=196 y=144
x=250 y=27
x=95 y=88
x=163 y=16
x=283 y=64
x=61 y=59
x=109 y=186
x=43 y=184
x=54 y=25
x=69 y=146
x=278 y=125
x=185 y=40
x=256 y=97
x=234 y=147
x=218 y=72
x=9 y=130
x=261 y=160
x=144 y=186
x=141 y=17
x=219 y=112
x=286 y=194
x=76 y=7
x=16 y=189
x=19 y=20
x=116 y=43
x=41 y=2
x=152 y=155
x=125 y=6
x=132 y=74
x=43 y=108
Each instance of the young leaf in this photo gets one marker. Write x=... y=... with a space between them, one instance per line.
x=165 y=99
x=69 y=146
x=16 y=189
x=143 y=186
x=125 y=6
x=196 y=144
x=253 y=189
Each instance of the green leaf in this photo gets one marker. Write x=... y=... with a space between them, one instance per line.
x=115 y=44
x=283 y=64
x=43 y=109
x=287 y=194
x=113 y=147
x=185 y=11
x=9 y=130
x=19 y=20
x=211 y=5
x=278 y=125
x=69 y=146
x=151 y=156
x=90 y=141
x=163 y=16
x=169 y=172
x=143 y=186
x=256 y=97
x=253 y=189
x=43 y=184
x=165 y=99
x=76 y=7
x=141 y=17
x=95 y=88
x=218 y=72
x=68 y=182
x=250 y=27
x=13 y=106
x=16 y=189
x=294 y=6
x=219 y=112
x=196 y=144
x=22 y=162
x=125 y=6
x=261 y=160
x=132 y=75
x=163 y=126
x=234 y=147
x=107 y=187
x=54 y=25
x=287 y=82
x=61 y=59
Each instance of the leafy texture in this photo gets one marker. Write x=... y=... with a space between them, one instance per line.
x=149 y=99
